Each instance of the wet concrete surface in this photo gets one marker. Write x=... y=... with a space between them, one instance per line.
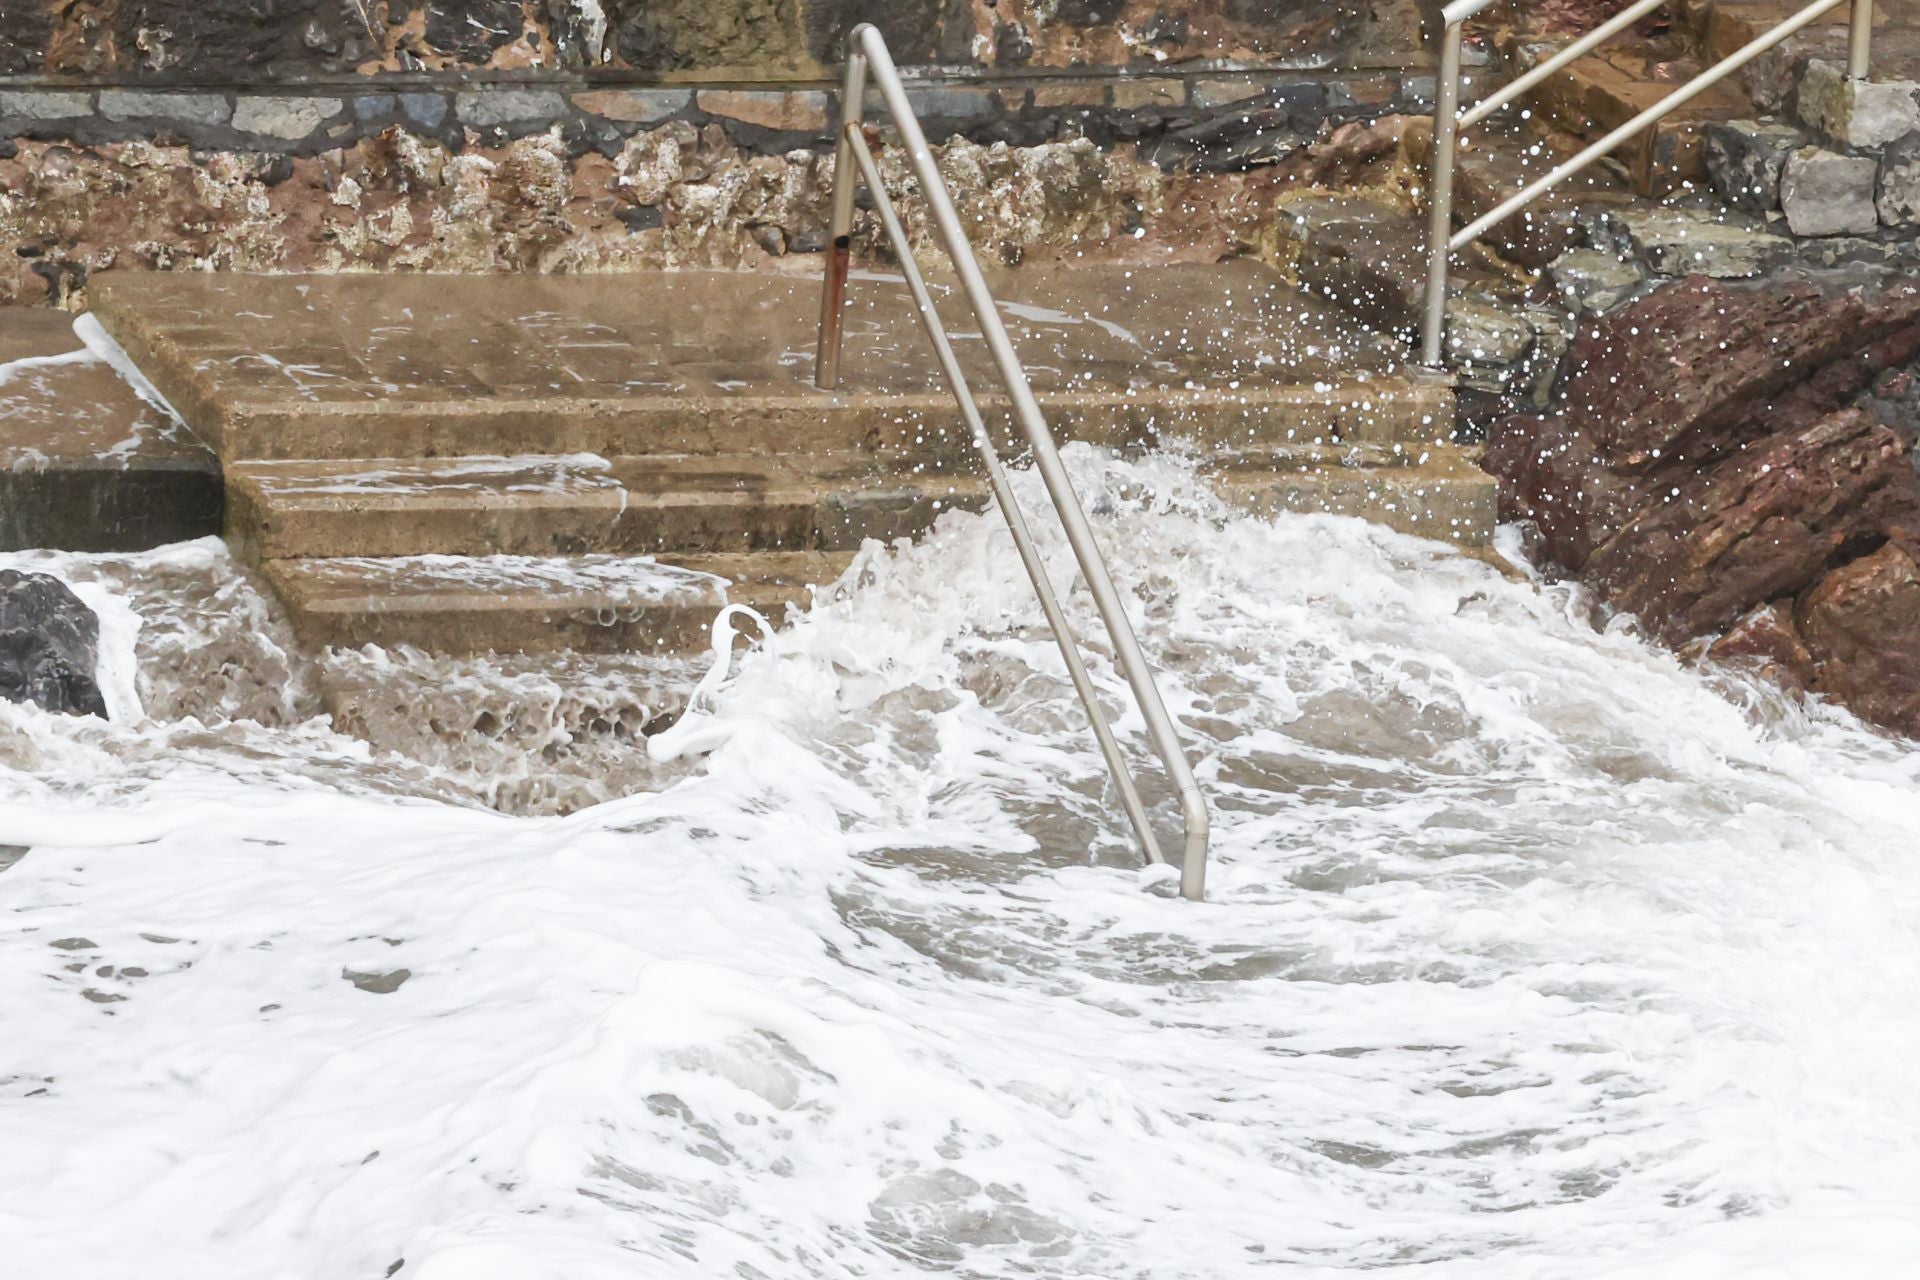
x=85 y=464
x=254 y=360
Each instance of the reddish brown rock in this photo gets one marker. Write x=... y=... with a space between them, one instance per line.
x=1761 y=523
x=1862 y=625
x=1704 y=458
x=1767 y=637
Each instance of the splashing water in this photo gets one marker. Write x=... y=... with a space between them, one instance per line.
x=1530 y=952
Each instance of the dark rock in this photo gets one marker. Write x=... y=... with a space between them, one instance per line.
x=1897 y=190
x=49 y=645
x=1744 y=159
x=1862 y=626
x=472 y=30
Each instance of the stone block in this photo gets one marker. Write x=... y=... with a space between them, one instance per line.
x=44 y=104
x=1867 y=114
x=369 y=108
x=1744 y=159
x=1897 y=186
x=634 y=106
x=1134 y=94
x=1222 y=92
x=491 y=107
x=183 y=108
x=290 y=119
x=428 y=110
x=930 y=103
x=1824 y=193
x=1071 y=94
x=799 y=111
x=1593 y=280
x=1679 y=242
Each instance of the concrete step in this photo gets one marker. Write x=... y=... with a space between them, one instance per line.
x=542 y=506
x=508 y=604
x=1593 y=95
x=85 y=463
x=720 y=363
x=580 y=504
x=1446 y=497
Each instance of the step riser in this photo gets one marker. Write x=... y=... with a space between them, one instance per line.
x=1459 y=512
x=263 y=530
x=907 y=430
x=391 y=612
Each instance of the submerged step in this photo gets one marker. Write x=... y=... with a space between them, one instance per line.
x=503 y=603
x=1445 y=496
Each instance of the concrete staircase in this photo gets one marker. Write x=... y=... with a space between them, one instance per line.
x=599 y=463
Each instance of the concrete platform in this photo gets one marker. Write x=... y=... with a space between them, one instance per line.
x=722 y=362
x=85 y=464
x=599 y=462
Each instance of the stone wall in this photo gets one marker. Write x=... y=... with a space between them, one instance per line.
x=231 y=42
x=584 y=134
x=504 y=177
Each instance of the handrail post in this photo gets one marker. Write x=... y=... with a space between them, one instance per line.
x=1859 y=38
x=1446 y=124
x=868 y=56
x=833 y=292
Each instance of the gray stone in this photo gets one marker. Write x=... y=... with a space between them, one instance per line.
x=950 y=104
x=374 y=106
x=1487 y=336
x=186 y=108
x=1744 y=159
x=1674 y=242
x=1897 y=187
x=1595 y=281
x=44 y=104
x=509 y=106
x=428 y=110
x=1848 y=251
x=1824 y=193
x=290 y=119
x=1868 y=114
x=49 y=645
x=1417 y=92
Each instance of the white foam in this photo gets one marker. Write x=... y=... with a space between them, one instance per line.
x=1531 y=954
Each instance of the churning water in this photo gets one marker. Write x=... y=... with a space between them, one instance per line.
x=1530 y=952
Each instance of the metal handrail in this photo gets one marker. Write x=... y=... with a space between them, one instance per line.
x=867 y=56
x=1449 y=121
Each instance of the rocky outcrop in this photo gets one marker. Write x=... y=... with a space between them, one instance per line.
x=1716 y=464
x=49 y=645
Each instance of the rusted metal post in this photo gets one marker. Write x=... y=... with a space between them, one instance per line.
x=833 y=292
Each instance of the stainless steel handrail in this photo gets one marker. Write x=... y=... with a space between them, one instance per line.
x=867 y=56
x=1449 y=121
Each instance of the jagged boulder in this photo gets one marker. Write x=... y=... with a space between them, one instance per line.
x=49 y=645
x=1707 y=465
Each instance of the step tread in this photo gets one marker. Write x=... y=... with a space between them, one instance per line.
x=593 y=603
x=438 y=582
